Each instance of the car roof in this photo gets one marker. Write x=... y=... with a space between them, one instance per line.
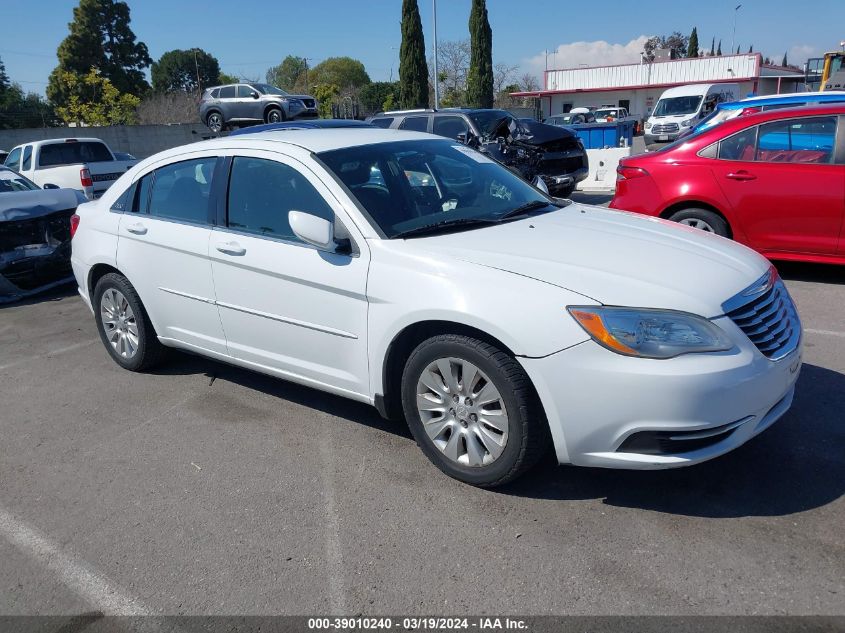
x=796 y=97
x=741 y=122
x=688 y=90
x=312 y=140
x=314 y=124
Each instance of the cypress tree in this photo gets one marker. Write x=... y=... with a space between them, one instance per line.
x=785 y=62
x=692 y=46
x=413 y=69
x=751 y=49
x=719 y=50
x=480 y=75
x=737 y=50
x=713 y=47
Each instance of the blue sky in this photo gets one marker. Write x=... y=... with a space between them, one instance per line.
x=248 y=36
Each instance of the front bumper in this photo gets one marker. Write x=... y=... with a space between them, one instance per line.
x=600 y=405
x=564 y=182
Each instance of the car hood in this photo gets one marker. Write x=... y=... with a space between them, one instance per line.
x=24 y=205
x=613 y=257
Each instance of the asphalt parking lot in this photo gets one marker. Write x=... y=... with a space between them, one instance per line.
x=205 y=489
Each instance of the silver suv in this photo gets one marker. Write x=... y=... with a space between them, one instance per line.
x=249 y=103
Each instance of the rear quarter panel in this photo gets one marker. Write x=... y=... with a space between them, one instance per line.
x=95 y=242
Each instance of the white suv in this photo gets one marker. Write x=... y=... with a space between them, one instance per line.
x=417 y=275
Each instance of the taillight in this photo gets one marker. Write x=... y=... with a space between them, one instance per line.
x=624 y=172
x=85 y=177
x=74 y=224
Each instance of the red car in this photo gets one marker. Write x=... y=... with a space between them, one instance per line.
x=774 y=181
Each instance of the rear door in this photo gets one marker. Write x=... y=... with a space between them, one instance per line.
x=783 y=185
x=163 y=251
x=415 y=123
x=285 y=305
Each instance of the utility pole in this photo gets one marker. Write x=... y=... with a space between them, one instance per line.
x=733 y=38
x=197 y=66
x=436 y=77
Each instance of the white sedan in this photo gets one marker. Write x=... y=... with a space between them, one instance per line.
x=414 y=274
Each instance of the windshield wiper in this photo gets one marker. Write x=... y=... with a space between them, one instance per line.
x=534 y=205
x=441 y=226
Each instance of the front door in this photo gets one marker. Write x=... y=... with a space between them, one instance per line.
x=163 y=251
x=286 y=305
x=784 y=186
x=247 y=106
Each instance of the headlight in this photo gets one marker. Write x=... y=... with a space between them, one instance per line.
x=650 y=333
x=648 y=125
x=687 y=123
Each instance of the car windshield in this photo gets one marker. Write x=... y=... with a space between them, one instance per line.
x=12 y=181
x=487 y=121
x=408 y=186
x=267 y=89
x=676 y=106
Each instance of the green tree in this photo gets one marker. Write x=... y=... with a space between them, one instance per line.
x=325 y=95
x=100 y=38
x=413 y=69
x=719 y=50
x=19 y=110
x=713 y=46
x=94 y=100
x=343 y=72
x=480 y=75
x=374 y=96
x=289 y=74
x=751 y=49
x=785 y=61
x=181 y=70
x=227 y=79
x=692 y=45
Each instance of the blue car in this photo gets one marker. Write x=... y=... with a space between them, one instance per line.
x=752 y=105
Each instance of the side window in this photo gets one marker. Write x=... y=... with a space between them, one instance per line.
x=740 y=146
x=382 y=121
x=124 y=201
x=245 y=91
x=13 y=159
x=797 y=141
x=449 y=126
x=27 y=158
x=227 y=92
x=262 y=192
x=415 y=123
x=180 y=191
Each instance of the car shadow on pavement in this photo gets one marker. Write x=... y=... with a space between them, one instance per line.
x=796 y=465
x=181 y=363
x=818 y=273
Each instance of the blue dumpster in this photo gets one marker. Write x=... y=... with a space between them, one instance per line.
x=600 y=135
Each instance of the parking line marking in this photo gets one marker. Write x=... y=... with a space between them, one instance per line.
x=83 y=580
x=334 y=556
x=825 y=332
x=51 y=354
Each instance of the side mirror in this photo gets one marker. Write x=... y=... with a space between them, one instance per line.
x=50 y=185
x=317 y=231
x=255 y=95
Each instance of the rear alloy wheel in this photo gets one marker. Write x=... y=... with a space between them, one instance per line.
x=702 y=219
x=123 y=324
x=275 y=115
x=214 y=121
x=472 y=410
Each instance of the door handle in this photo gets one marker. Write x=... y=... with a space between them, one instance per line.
x=231 y=248
x=741 y=175
x=137 y=228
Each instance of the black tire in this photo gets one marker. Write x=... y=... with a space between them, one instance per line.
x=149 y=351
x=275 y=115
x=528 y=430
x=711 y=219
x=215 y=122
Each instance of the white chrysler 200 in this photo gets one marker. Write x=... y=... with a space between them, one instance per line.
x=414 y=274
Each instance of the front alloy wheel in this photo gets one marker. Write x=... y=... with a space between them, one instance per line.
x=462 y=412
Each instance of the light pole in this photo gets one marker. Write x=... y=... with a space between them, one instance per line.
x=436 y=78
x=733 y=38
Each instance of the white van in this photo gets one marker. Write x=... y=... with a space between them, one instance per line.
x=681 y=108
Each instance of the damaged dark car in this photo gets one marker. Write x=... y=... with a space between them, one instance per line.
x=550 y=157
x=34 y=236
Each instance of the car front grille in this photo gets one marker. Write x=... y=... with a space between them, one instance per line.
x=309 y=103
x=766 y=314
x=664 y=128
